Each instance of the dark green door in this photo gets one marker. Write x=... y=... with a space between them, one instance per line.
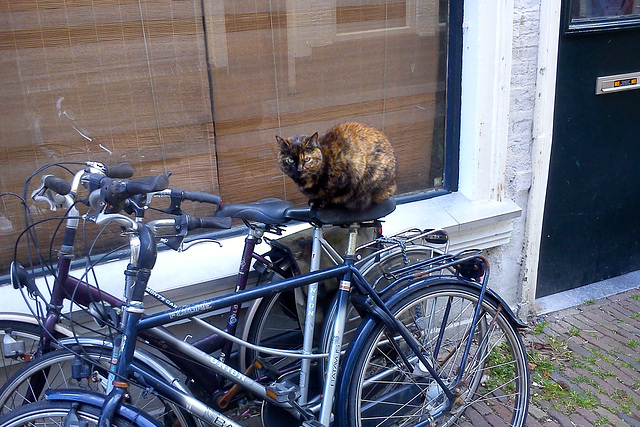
x=591 y=227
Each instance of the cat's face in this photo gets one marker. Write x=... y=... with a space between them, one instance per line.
x=300 y=156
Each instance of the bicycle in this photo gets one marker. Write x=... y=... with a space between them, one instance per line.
x=56 y=192
x=467 y=328
x=88 y=296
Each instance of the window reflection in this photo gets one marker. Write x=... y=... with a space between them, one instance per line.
x=604 y=8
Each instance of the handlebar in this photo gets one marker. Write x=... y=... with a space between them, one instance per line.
x=194 y=223
x=110 y=191
x=114 y=191
x=183 y=223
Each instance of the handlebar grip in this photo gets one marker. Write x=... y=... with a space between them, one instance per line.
x=123 y=170
x=197 y=196
x=147 y=185
x=208 y=222
x=58 y=185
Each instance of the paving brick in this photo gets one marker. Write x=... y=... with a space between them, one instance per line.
x=579 y=421
x=474 y=417
x=559 y=417
x=631 y=421
x=588 y=415
x=536 y=413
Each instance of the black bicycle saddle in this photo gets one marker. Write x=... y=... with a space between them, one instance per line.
x=340 y=216
x=267 y=211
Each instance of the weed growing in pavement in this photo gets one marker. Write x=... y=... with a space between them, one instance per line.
x=626 y=364
x=539 y=328
x=635 y=297
x=632 y=344
x=550 y=358
x=600 y=421
x=624 y=400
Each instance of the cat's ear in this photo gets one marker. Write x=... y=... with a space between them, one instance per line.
x=312 y=142
x=283 y=143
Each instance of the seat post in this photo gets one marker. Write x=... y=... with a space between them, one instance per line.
x=353 y=241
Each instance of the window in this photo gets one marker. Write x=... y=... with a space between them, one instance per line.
x=201 y=88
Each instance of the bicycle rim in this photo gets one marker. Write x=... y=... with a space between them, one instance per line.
x=494 y=384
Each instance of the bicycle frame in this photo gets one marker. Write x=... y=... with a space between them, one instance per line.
x=346 y=271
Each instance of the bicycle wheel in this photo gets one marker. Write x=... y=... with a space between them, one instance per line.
x=55 y=414
x=57 y=370
x=19 y=339
x=382 y=390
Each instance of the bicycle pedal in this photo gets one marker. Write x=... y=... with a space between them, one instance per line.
x=265 y=368
x=312 y=423
x=283 y=391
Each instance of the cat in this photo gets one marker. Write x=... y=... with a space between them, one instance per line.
x=351 y=166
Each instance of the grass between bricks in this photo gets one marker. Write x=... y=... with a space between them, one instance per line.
x=554 y=372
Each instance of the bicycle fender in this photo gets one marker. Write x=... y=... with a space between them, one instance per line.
x=128 y=412
x=28 y=318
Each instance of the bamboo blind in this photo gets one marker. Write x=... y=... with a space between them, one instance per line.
x=201 y=88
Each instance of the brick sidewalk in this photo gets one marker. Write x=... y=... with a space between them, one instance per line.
x=585 y=364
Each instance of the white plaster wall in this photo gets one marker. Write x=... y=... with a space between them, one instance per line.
x=508 y=260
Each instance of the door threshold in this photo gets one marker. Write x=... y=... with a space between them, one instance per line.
x=594 y=291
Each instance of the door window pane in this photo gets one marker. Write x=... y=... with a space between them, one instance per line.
x=603 y=8
x=599 y=15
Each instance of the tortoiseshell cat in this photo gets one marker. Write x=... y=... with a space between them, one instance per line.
x=352 y=166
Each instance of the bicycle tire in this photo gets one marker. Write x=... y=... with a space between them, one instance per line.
x=29 y=333
x=495 y=382
x=48 y=413
x=54 y=370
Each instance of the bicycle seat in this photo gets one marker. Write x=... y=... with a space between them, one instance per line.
x=267 y=211
x=340 y=216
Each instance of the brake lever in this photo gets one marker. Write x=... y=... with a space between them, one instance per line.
x=45 y=194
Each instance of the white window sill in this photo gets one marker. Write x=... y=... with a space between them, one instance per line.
x=480 y=225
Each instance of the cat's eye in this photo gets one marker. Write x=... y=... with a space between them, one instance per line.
x=289 y=161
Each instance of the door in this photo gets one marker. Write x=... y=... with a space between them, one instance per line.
x=591 y=225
